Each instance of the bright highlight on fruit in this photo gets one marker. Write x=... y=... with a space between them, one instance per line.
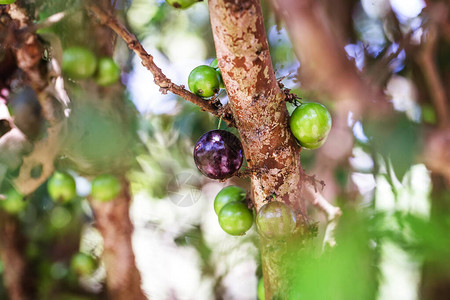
x=235 y=218
x=105 y=187
x=204 y=81
x=218 y=154
x=310 y=123
x=275 y=220
x=61 y=187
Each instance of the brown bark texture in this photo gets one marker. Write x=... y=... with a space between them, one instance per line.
x=123 y=280
x=16 y=275
x=260 y=114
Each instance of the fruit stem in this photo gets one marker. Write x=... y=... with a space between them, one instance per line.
x=220 y=122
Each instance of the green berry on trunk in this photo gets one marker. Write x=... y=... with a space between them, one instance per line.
x=13 y=202
x=105 y=187
x=61 y=187
x=83 y=264
x=235 y=218
x=228 y=194
x=310 y=123
x=204 y=81
x=108 y=72
x=275 y=220
x=79 y=62
x=214 y=64
x=3 y=2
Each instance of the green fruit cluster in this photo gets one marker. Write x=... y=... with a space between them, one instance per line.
x=205 y=81
x=83 y=264
x=234 y=216
x=81 y=63
x=310 y=123
x=62 y=188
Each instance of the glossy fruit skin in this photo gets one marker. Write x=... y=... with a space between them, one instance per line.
x=204 y=81
x=83 y=264
x=13 y=202
x=105 y=187
x=310 y=123
x=228 y=194
x=181 y=3
x=108 y=72
x=61 y=187
x=235 y=218
x=261 y=291
x=79 y=63
x=275 y=220
x=218 y=154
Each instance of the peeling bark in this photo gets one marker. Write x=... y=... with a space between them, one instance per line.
x=123 y=280
x=261 y=117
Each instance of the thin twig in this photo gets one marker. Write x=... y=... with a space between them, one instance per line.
x=160 y=79
x=333 y=213
x=431 y=74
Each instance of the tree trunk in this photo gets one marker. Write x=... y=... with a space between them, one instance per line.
x=123 y=280
x=261 y=117
x=18 y=281
x=435 y=283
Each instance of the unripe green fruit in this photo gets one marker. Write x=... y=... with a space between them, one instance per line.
x=215 y=65
x=228 y=194
x=108 y=72
x=83 y=264
x=61 y=187
x=79 y=62
x=310 y=123
x=261 y=291
x=204 y=81
x=276 y=220
x=7 y=2
x=181 y=3
x=13 y=202
x=235 y=218
x=105 y=187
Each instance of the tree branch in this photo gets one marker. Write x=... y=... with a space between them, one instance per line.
x=160 y=79
x=332 y=213
x=426 y=61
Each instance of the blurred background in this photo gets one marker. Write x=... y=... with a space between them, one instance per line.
x=393 y=238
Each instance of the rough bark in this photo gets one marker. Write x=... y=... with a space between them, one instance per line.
x=12 y=248
x=260 y=115
x=123 y=280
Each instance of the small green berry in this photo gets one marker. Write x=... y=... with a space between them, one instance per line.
x=105 y=187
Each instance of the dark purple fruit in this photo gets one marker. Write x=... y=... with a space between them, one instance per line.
x=218 y=154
